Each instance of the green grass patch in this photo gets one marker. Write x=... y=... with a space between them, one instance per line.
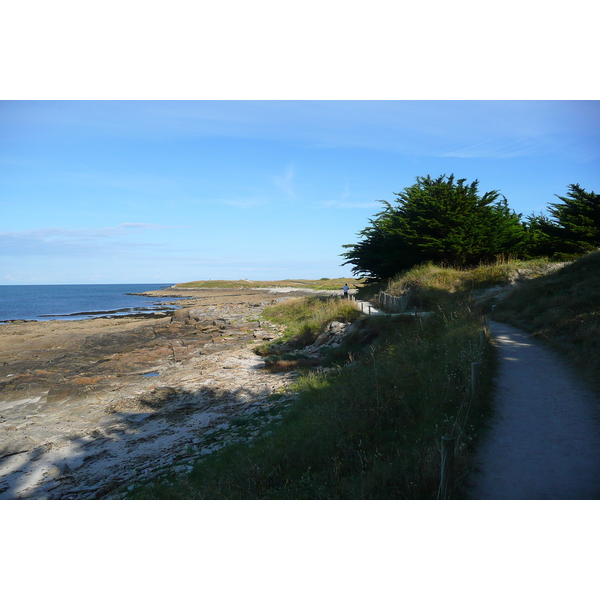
x=306 y=318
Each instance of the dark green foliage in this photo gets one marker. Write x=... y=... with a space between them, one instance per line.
x=572 y=229
x=383 y=251
x=577 y=220
x=540 y=236
x=439 y=220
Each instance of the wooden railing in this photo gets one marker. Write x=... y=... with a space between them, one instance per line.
x=392 y=303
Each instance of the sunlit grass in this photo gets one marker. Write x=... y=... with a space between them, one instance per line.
x=306 y=318
x=429 y=285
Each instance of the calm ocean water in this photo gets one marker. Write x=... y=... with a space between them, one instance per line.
x=69 y=302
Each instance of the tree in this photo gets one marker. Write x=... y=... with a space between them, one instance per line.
x=540 y=236
x=439 y=220
x=383 y=251
x=571 y=229
x=576 y=221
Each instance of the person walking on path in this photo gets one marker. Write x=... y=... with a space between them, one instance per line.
x=346 y=288
x=544 y=439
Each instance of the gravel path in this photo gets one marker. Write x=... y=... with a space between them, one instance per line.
x=544 y=441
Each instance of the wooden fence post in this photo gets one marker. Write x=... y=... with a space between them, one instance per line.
x=447 y=475
x=475 y=376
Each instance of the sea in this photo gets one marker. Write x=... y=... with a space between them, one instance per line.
x=74 y=302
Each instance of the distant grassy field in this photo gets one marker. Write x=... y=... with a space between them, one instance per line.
x=315 y=284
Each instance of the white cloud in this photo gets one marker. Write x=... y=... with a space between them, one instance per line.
x=243 y=202
x=69 y=242
x=286 y=181
x=149 y=226
x=347 y=204
x=345 y=201
x=502 y=148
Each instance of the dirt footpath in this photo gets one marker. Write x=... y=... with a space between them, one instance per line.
x=544 y=441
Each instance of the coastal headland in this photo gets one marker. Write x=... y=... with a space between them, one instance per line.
x=87 y=406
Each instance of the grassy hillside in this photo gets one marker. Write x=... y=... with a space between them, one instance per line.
x=557 y=302
x=563 y=309
x=305 y=318
x=429 y=286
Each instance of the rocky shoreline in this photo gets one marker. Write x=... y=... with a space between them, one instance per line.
x=89 y=407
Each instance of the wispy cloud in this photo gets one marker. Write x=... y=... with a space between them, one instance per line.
x=348 y=200
x=285 y=182
x=348 y=204
x=68 y=242
x=421 y=127
x=148 y=226
x=500 y=148
x=142 y=182
x=243 y=202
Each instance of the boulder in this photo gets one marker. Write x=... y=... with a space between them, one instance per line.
x=181 y=315
x=322 y=339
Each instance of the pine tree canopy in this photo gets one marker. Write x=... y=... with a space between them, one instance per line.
x=441 y=220
x=577 y=220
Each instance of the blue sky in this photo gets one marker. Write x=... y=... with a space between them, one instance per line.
x=171 y=191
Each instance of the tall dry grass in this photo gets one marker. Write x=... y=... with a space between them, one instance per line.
x=429 y=285
x=306 y=318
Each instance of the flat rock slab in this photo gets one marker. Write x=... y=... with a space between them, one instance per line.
x=544 y=440
x=79 y=416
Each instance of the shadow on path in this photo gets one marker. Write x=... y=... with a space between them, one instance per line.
x=544 y=439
